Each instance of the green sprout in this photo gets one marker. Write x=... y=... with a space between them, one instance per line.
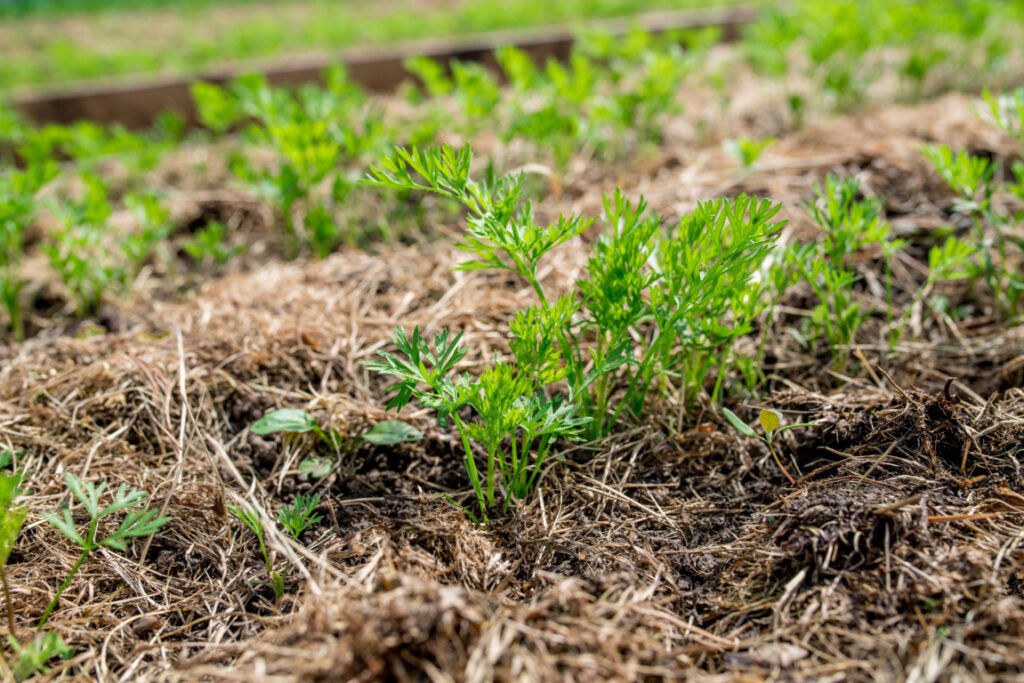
x=251 y=518
x=771 y=424
x=300 y=515
x=12 y=517
x=31 y=658
x=138 y=522
x=748 y=151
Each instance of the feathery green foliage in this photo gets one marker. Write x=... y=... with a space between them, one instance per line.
x=138 y=522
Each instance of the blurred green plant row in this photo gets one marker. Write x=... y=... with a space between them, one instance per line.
x=303 y=152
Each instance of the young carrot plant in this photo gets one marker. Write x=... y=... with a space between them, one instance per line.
x=300 y=516
x=295 y=421
x=658 y=313
x=994 y=237
x=18 y=189
x=80 y=250
x=952 y=260
x=138 y=522
x=509 y=419
x=747 y=151
x=664 y=304
x=209 y=245
x=502 y=234
x=314 y=133
x=32 y=658
x=850 y=226
x=12 y=517
x=251 y=519
x=611 y=94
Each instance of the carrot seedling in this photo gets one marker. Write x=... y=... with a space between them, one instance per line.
x=300 y=515
x=138 y=522
x=251 y=519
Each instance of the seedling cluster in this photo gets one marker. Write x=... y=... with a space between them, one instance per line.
x=672 y=317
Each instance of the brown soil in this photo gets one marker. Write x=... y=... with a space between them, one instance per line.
x=658 y=553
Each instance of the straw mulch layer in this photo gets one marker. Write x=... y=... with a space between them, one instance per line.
x=661 y=552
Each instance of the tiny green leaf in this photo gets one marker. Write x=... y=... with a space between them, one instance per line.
x=391 y=432
x=289 y=420
x=738 y=424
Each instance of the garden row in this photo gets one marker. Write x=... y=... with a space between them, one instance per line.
x=668 y=314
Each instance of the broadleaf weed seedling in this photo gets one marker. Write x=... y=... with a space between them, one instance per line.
x=771 y=425
x=138 y=522
x=296 y=421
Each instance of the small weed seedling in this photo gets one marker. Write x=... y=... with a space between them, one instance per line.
x=295 y=421
x=251 y=518
x=138 y=522
x=771 y=423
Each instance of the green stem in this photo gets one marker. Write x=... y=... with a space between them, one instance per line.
x=771 y=449
x=470 y=463
x=535 y=283
x=490 y=475
x=60 y=591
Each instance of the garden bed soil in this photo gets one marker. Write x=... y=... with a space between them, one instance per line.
x=670 y=550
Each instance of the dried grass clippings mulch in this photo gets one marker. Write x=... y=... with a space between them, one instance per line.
x=655 y=554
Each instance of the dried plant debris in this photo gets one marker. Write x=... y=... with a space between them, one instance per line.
x=673 y=548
